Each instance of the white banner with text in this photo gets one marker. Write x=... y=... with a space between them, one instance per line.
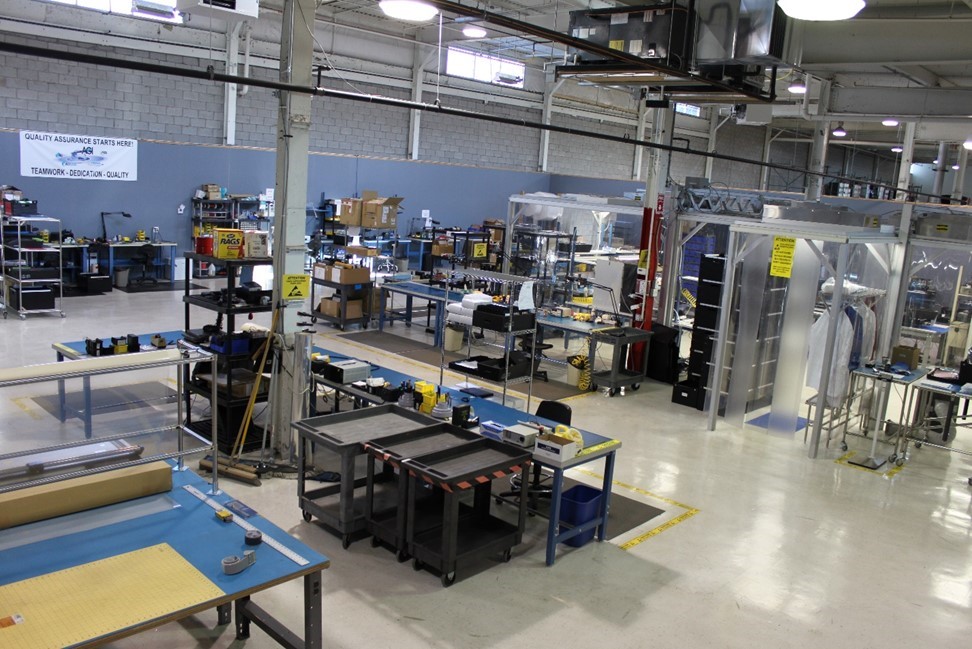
x=85 y=157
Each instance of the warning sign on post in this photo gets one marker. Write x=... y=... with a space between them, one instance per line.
x=480 y=250
x=296 y=287
x=781 y=263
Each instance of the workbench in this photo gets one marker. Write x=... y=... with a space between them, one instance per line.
x=596 y=447
x=194 y=539
x=433 y=294
x=926 y=391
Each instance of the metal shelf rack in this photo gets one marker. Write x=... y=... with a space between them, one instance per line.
x=20 y=265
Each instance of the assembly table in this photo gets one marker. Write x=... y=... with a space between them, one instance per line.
x=75 y=350
x=156 y=559
x=411 y=290
x=926 y=391
x=885 y=380
x=596 y=447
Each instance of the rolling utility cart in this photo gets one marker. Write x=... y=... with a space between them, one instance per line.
x=388 y=525
x=618 y=376
x=463 y=533
x=32 y=269
x=345 y=434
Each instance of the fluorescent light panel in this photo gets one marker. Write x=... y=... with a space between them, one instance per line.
x=821 y=10
x=408 y=10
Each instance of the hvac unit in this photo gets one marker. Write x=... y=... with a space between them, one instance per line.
x=740 y=31
x=222 y=9
x=754 y=114
x=658 y=31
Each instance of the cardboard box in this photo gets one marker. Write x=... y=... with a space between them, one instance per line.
x=229 y=244
x=322 y=271
x=80 y=494
x=440 y=249
x=355 y=309
x=330 y=307
x=381 y=213
x=350 y=275
x=212 y=192
x=910 y=356
x=361 y=251
x=256 y=243
x=350 y=212
x=553 y=449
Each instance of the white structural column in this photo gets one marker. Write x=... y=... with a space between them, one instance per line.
x=637 y=164
x=958 y=182
x=940 y=166
x=550 y=88
x=820 y=142
x=714 y=126
x=293 y=135
x=907 y=155
x=767 y=146
x=659 y=161
x=229 y=89
x=418 y=88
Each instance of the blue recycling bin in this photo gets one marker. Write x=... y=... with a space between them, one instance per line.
x=578 y=505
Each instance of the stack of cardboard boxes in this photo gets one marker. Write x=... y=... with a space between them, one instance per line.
x=350 y=278
x=370 y=211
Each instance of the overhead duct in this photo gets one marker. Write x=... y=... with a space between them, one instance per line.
x=740 y=32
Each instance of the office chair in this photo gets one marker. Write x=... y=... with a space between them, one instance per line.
x=146 y=259
x=526 y=344
x=555 y=411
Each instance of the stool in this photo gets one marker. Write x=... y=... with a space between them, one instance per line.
x=527 y=345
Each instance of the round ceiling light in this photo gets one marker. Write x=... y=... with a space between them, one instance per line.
x=897 y=149
x=890 y=122
x=967 y=145
x=821 y=10
x=410 y=10
x=839 y=131
x=955 y=167
x=797 y=88
x=471 y=31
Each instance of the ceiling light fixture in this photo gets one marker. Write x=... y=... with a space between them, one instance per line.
x=409 y=10
x=821 y=9
x=935 y=162
x=897 y=149
x=839 y=131
x=955 y=167
x=797 y=88
x=967 y=145
x=471 y=31
x=890 y=122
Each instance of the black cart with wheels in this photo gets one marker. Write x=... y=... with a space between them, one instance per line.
x=618 y=376
x=345 y=434
x=464 y=533
x=387 y=524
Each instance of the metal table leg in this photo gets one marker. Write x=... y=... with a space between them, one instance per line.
x=554 y=526
x=606 y=495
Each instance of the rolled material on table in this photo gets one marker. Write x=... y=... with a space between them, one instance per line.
x=61 y=370
x=79 y=494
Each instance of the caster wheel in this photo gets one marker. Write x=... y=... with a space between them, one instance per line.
x=635 y=386
x=307 y=517
x=313 y=320
x=893 y=457
x=499 y=501
x=507 y=555
x=402 y=556
x=448 y=578
x=900 y=462
x=970 y=482
x=917 y=444
x=843 y=446
x=417 y=565
x=375 y=542
x=612 y=392
x=346 y=541
x=594 y=387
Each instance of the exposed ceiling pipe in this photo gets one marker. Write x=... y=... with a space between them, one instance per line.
x=210 y=74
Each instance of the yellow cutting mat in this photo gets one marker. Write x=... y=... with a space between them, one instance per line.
x=98 y=598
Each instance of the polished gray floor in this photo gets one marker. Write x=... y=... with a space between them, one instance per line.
x=759 y=546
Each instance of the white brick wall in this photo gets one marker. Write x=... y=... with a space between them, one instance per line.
x=584 y=156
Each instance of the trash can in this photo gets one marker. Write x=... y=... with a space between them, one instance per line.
x=578 y=505
x=573 y=376
x=453 y=338
x=121 y=277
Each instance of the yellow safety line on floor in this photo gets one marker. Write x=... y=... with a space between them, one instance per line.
x=684 y=516
x=890 y=473
x=21 y=402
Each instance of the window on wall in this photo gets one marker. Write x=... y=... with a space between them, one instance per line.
x=484 y=67
x=161 y=10
x=688 y=109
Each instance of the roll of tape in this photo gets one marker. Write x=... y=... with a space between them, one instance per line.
x=253 y=537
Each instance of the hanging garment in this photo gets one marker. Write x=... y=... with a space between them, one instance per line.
x=839 y=368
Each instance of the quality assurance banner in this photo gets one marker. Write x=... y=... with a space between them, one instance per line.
x=85 y=157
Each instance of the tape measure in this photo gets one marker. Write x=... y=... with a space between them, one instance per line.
x=267 y=540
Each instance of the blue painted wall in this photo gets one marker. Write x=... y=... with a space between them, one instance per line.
x=169 y=173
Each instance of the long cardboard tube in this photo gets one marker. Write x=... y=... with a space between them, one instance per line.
x=230 y=472
x=66 y=369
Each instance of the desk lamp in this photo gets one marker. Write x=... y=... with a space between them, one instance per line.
x=104 y=228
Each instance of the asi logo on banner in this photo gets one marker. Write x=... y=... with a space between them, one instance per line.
x=82 y=157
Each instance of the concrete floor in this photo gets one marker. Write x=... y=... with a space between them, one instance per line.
x=763 y=547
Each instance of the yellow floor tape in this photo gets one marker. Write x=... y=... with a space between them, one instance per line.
x=21 y=402
x=843 y=461
x=684 y=516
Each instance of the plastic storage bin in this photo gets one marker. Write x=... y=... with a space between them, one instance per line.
x=578 y=505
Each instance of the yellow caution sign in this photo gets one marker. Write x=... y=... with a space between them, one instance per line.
x=781 y=263
x=480 y=250
x=295 y=287
x=687 y=294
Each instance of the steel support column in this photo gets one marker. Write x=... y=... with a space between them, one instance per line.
x=293 y=135
x=229 y=90
x=940 y=166
x=550 y=89
x=958 y=182
x=907 y=156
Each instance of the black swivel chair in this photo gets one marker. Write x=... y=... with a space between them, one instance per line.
x=146 y=259
x=526 y=344
x=555 y=411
